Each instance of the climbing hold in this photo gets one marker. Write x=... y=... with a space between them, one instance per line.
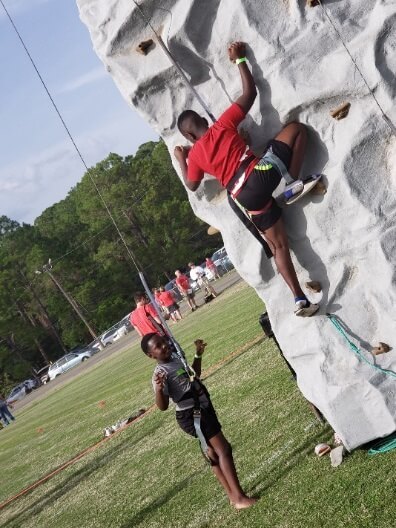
x=337 y=440
x=382 y=348
x=341 y=111
x=312 y=3
x=337 y=455
x=144 y=46
x=212 y=230
x=320 y=189
x=313 y=286
x=322 y=449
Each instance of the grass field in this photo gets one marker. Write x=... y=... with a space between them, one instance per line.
x=152 y=475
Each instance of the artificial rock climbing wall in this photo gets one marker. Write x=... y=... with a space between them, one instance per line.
x=346 y=239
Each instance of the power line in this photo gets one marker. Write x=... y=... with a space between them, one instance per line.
x=131 y=256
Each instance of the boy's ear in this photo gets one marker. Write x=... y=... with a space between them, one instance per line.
x=190 y=137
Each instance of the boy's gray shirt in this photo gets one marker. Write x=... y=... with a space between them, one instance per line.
x=177 y=383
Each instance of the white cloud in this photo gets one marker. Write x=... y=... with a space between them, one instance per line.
x=87 y=78
x=29 y=187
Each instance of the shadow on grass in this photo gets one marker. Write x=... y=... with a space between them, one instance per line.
x=26 y=514
x=288 y=460
x=151 y=508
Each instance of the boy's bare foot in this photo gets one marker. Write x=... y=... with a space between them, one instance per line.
x=243 y=502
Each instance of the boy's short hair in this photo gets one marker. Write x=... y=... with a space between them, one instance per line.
x=138 y=296
x=145 y=341
x=188 y=116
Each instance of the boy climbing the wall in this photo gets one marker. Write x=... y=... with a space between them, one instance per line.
x=220 y=151
x=170 y=380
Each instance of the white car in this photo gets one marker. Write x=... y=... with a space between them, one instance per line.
x=109 y=337
x=65 y=363
x=121 y=332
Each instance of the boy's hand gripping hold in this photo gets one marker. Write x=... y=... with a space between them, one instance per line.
x=237 y=50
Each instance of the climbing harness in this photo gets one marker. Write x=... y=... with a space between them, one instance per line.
x=188 y=369
x=197 y=415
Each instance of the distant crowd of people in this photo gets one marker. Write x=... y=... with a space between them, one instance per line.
x=145 y=318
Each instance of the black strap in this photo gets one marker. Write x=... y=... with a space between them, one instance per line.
x=160 y=329
x=250 y=226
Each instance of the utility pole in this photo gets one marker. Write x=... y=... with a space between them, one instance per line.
x=47 y=269
x=44 y=310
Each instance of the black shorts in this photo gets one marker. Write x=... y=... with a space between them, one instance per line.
x=258 y=188
x=173 y=307
x=210 y=424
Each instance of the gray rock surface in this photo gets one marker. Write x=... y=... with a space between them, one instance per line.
x=345 y=239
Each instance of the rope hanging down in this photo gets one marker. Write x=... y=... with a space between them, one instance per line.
x=175 y=63
x=356 y=349
x=129 y=251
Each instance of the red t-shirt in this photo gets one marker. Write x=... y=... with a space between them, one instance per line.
x=219 y=151
x=166 y=298
x=210 y=263
x=183 y=282
x=156 y=297
x=139 y=319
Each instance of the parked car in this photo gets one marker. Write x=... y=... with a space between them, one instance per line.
x=110 y=336
x=22 y=389
x=222 y=261
x=126 y=322
x=42 y=374
x=67 y=362
x=31 y=384
x=17 y=393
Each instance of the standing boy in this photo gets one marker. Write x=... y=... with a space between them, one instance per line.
x=220 y=151
x=212 y=268
x=183 y=284
x=168 y=301
x=144 y=318
x=170 y=380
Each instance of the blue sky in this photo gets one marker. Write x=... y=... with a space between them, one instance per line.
x=38 y=165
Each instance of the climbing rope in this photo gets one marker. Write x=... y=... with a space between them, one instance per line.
x=385 y=117
x=356 y=349
x=109 y=213
x=384 y=445
x=173 y=61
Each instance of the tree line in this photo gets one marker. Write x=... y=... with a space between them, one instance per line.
x=151 y=208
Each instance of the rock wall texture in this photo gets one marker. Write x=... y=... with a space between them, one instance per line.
x=345 y=239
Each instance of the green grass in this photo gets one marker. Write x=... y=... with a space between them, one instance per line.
x=152 y=475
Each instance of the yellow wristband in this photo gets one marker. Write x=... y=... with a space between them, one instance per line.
x=241 y=59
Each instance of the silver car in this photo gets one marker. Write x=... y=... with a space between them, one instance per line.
x=66 y=363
